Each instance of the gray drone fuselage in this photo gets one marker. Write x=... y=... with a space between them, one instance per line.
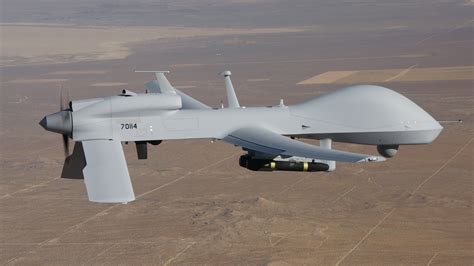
x=359 y=114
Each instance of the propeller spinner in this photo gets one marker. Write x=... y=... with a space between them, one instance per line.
x=60 y=122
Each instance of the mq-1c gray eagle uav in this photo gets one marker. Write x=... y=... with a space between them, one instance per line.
x=365 y=114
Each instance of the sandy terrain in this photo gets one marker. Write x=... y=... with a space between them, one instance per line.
x=257 y=80
x=195 y=205
x=25 y=44
x=469 y=3
x=35 y=81
x=108 y=84
x=79 y=72
x=388 y=75
x=327 y=77
x=180 y=87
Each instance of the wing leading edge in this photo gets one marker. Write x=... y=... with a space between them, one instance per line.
x=266 y=141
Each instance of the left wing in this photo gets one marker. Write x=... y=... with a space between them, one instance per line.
x=266 y=141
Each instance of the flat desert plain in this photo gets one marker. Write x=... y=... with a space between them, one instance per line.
x=194 y=204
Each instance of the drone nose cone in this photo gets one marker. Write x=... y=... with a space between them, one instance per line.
x=60 y=122
x=43 y=123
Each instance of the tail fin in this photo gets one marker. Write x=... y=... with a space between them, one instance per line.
x=232 y=100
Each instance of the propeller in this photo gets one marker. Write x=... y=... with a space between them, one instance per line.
x=63 y=106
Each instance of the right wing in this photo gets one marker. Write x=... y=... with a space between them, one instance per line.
x=106 y=173
x=266 y=141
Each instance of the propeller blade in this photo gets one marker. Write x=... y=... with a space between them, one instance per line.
x=66 y=145
x=64 y=106
x=61 y=98
x=68 y=99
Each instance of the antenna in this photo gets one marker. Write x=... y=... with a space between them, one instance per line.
x=232 y=100
x=282 y=103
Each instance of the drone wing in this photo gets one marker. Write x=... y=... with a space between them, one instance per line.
x=267 y=141
x=106 y=173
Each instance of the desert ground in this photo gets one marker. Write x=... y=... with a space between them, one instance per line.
x=194 y=204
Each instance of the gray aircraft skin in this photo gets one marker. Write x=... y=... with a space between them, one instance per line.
x=364 y=114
